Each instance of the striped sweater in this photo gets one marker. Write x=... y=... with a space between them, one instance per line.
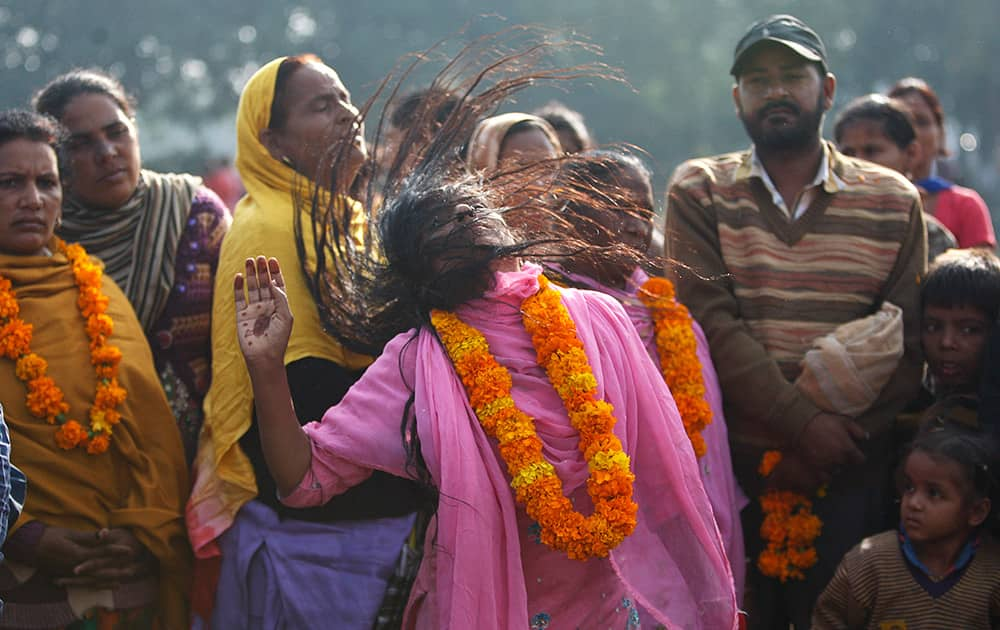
x=874 y=588
x=764 y=287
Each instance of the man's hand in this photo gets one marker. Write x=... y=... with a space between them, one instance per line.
x=794 y=473
x=830 y=442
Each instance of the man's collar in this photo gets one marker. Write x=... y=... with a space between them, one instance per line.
x=751 y=166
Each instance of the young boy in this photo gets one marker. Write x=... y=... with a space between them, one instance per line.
x=960 y=302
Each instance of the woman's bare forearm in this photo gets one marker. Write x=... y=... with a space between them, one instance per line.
x=287 y=449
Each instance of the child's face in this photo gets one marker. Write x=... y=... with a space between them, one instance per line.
x=953 y=338
x=936 y=506
x=866 y=139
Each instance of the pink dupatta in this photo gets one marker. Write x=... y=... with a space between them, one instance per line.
x=716 y=466
x=673 y=564
x=673 y=567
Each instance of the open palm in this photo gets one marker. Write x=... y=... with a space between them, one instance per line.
x=263 y=319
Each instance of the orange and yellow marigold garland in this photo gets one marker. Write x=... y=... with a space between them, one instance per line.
x=536 y=486
x=789 y=528
x=45 y=400
x=678 y=351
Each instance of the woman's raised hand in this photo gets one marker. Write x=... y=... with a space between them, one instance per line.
x=263 y=319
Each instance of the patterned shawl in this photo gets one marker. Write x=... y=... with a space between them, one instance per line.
x=137 y=241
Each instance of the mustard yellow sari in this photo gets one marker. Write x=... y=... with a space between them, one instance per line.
x=141 y=482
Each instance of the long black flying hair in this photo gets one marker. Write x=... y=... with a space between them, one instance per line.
x=412 y=251
x=376 y=277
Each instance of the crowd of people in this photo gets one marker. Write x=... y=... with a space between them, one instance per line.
x=453 y=369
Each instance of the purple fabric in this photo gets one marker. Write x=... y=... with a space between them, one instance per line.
x=179 y=339
x=483 y=566
x=297 y=574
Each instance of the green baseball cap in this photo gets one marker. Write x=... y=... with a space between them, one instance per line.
x=782 y=29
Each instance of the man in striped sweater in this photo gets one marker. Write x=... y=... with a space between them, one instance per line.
x=772 y=248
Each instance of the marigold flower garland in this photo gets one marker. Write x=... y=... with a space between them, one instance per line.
x=536 y=486
x=45 y=400
x=678 y=351
x=789 y=528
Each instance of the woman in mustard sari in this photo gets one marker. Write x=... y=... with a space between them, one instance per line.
x=320 y=564
x=100 y=541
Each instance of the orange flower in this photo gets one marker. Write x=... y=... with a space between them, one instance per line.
x=9 y=307
x=98 y=444
x=677 y=348
x=30 y=366
x=561 y=354
x=70 y=434
x=44 y=399
x=789 y=528
x=15 y=339
x=768 y=462
x=99 y=325
x=73 y=251
x=109 y=395
x=106 y=355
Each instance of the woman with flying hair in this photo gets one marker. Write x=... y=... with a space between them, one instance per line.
x=568 y=492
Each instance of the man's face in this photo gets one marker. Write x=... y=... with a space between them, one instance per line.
x=781 y=98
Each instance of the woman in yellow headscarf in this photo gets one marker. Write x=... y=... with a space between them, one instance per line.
x=294 y=115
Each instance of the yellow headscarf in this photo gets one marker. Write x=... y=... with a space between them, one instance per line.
x=263 y=224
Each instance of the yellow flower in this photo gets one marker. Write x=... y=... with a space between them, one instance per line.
x=609 y=461
x=99 y=421
x=530 y=474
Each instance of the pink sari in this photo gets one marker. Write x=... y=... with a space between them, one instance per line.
x=483 y=566
x=716 y=466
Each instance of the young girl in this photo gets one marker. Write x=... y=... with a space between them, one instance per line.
x=961 y=209
x=880 y=130
x=941 y=569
